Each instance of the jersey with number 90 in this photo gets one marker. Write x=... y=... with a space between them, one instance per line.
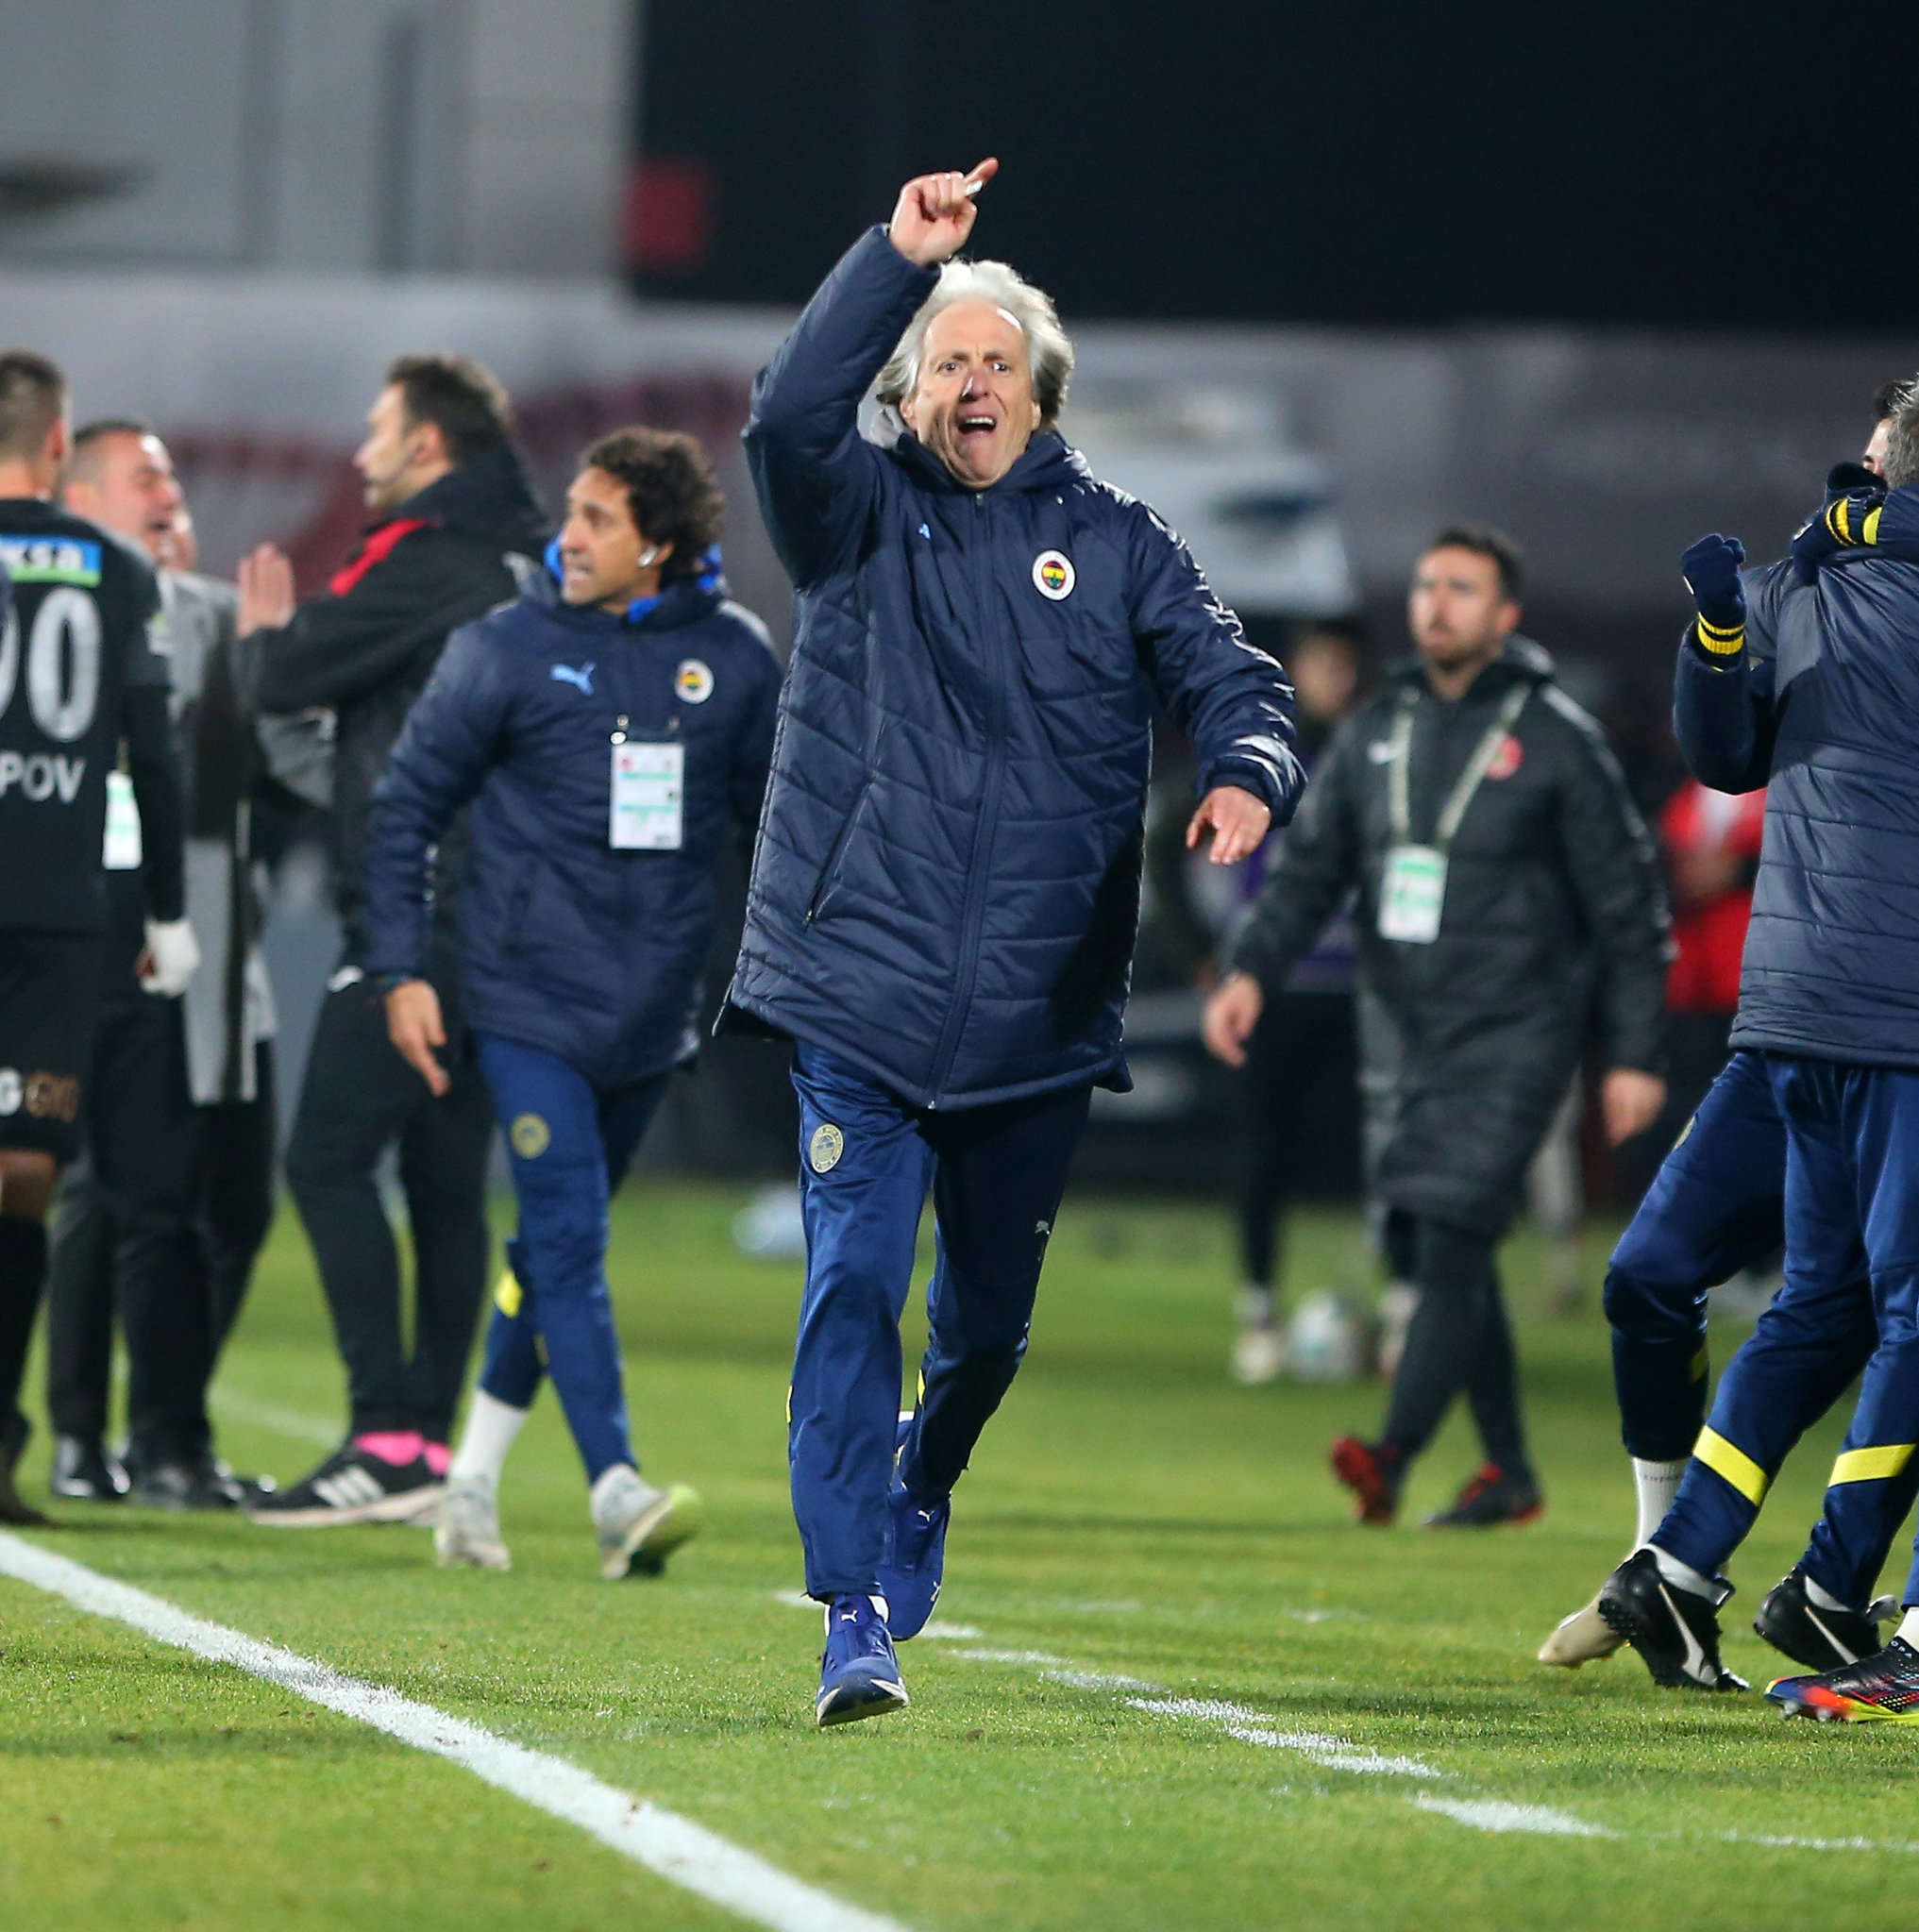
x=82 y=632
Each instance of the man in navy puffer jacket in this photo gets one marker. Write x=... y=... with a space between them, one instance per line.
x=606 y=738
x=1827 y=994
x=946 y=889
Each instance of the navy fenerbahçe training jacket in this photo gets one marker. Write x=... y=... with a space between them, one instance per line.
x=1828 y=685
x=567 y=944
x=947 y=885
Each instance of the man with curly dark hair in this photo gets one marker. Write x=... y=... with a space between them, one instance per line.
x=606 y=726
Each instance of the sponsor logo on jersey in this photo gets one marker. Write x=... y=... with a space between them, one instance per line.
x=582 y=680
x=693 y=682
x=1053 y=574
x=50 y=560
x=824 y=1150
x=41 y=776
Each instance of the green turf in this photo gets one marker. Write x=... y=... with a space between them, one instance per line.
x=1131 y=1513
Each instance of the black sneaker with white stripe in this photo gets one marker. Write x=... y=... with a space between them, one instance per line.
x=1820 y=1639
x=354 y=1487
x=1675 y=1631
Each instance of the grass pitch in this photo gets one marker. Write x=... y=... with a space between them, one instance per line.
x=1185 y=1690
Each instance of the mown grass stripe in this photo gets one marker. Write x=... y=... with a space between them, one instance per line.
x=679 y=1851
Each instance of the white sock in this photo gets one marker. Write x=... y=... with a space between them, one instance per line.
x=1255 y=1306
x=1683 y=1576
x=1908 y=1627
x=491 y=1426
x=1823 y=1599
x=1656 y=1482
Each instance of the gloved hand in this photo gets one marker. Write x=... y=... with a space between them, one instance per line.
x=1845 y=523
x=1711 y=569
x=171 y=959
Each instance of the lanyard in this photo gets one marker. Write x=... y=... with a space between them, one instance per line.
x=1399 y=783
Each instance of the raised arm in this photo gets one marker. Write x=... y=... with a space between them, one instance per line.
x=812 y=470
x=1723 y=715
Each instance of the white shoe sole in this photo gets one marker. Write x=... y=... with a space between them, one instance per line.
x=419 y=1506
x=675 y=1517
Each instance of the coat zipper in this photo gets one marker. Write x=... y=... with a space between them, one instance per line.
x=985 y=826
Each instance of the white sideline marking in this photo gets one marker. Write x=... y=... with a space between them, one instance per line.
x=950 y=1633
x=1011 y=1656
x=1098 y=1680
x=1317 y=1747
x=267 y=1414
x=1496 y=1814
x=685 y=1854
x=1814 y=1845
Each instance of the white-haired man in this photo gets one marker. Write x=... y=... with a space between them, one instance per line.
x=945 y=888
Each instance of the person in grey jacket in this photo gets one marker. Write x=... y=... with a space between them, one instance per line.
x=1505 y=890
x=168 y=1206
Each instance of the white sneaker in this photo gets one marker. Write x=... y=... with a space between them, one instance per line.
x=1584 y=1638
x=640 y=1526
x=468 y=1529
x=1258 y=1353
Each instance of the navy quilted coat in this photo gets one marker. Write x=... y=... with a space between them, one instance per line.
x=1832 y=954
x=593 y=953
x=947 y=885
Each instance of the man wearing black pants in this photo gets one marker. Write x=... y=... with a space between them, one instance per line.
x=173 y=1197
x=79 y=676
x=1505 y=890
x=458 y=528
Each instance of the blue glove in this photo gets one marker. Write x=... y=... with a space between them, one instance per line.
x=1845 y=523
x=1711 y=571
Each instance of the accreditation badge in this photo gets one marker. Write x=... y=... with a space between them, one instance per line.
x=648 y=798
x=1413 y=893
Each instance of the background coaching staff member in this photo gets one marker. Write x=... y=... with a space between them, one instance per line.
x=78 y=674
x=1505 y=884
x=453 y=507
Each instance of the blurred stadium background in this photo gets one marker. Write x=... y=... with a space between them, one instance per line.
x=1335 y=277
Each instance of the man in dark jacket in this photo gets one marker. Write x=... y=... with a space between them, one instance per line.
x=1505 y=886
x=607 y=735
x=1716 y=1207
x=457 y=527
x=945 y=894
x=1826 y=1000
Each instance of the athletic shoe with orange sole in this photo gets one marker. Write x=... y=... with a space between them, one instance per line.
x=1372 y=1473
x=1878 y=1690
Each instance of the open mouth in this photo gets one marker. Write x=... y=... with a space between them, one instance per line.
x=974 y=424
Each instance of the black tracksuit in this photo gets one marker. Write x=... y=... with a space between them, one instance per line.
x=1554 y=915
x=366 y=649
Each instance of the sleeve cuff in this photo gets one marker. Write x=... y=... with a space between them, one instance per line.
x=1721 y=641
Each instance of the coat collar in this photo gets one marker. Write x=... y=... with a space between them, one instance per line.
x=1046 y=463
x=1521 y=661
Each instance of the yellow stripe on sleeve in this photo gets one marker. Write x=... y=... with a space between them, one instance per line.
x=506 y=1294
x=1734 y=1465
x=1869 y=532
x=1872 y=1465
x=1722 y=643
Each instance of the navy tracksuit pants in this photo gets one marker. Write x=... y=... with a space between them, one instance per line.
x=570 y=1143
x=867 y=1161
x=1850 y=1301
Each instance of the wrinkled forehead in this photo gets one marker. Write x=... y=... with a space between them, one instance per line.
x=983 y=328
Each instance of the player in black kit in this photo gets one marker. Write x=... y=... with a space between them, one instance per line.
x=80 y=677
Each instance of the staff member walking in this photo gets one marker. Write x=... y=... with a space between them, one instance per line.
x=454 y=512
x=1505 y=885
x=946 y=891
x=607 y=735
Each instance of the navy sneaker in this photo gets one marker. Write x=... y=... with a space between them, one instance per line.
x=859 y=1675
x=914 y=1559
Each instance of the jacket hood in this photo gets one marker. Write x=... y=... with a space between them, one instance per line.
x=1521 y=661
x=1046 y=463
x=487 y=498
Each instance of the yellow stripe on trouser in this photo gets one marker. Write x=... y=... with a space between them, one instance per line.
x=1735 y=1465
x=1873 y=1465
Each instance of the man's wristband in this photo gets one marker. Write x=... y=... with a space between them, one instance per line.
x=1721 y=641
